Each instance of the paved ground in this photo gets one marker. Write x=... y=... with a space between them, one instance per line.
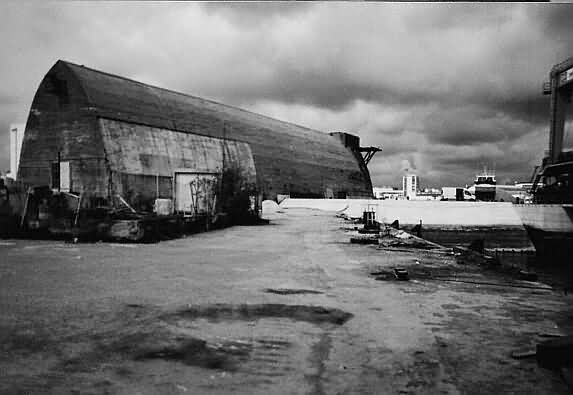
x=289 y=307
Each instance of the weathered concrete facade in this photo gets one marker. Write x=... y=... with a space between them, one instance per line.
x=141 y=159
x=125 y=137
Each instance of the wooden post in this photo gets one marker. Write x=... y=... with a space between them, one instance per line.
x=25 y=208
x=78 y=210
x=157 y=186
x=122 y=200
x=59 y=170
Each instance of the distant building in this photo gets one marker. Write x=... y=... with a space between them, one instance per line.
x=428 y=194
x=16 y=137
x=433 y=191
x=410 y=184
x=387 y=193
x=458 y=193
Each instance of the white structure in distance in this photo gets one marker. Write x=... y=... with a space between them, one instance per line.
x=387 y=193
x=16 y=138
x=410 y=185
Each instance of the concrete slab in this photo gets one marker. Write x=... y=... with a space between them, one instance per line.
x=193 y=316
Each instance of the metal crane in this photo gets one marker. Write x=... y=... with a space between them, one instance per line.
x=556 y=171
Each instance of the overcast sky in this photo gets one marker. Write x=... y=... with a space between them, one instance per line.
x=442 y=88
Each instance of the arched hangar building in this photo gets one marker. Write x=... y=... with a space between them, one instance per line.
x=103 y=135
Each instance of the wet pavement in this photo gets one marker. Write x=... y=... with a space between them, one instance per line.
x=289 y=307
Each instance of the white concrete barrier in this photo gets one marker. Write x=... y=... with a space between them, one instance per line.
x=410 y=212
x=321 y=204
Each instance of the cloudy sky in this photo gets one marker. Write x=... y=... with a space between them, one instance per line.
x=442 y=88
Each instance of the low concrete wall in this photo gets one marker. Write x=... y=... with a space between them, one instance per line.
x=410 y=212
x=322 y=204
x=449 y=213
x=515 y=237
x=448 y=222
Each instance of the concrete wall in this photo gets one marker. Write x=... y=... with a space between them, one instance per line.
x=142 y=158
x=409 y=212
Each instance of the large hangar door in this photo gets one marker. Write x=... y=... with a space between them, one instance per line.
x=195 y=193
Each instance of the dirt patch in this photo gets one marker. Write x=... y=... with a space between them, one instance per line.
x=166 y=336
x=450 y=306
x=197 y=352
x=222 y=312
x=26 y=341
x=291 y=291
x=273 y=344
x=318 y=356
x=151 y=341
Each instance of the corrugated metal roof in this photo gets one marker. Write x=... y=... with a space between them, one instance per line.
x=284 y=153
x=124 y=99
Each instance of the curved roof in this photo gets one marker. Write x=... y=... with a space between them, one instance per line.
x=114 y=97
x=120 y=98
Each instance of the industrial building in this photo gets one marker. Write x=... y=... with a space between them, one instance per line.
x=410 y=185
x=104 y=137
x=16 y=138
x=387 y=193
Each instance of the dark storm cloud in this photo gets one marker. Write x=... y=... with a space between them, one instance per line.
x=555 y=21
x=252 y=14
x=335 y=90
x=466 y=126
x=504 y=71
x=439 y=85
x=533 y=109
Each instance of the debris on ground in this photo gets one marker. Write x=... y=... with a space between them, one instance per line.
x=364 y=240
x=466 y=255
x=391 y=237
x=525 y=353
x=270 y=208
x=548 y=334
x=369 y=231
x=401 y=274
x=291 y=291
x=417 y=229
x=527 y=276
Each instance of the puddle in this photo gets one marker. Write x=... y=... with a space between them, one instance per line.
x=291 y=291
x=222 y=312
x=197 y=352
x=260 y=341
x=25 y=341
x=450 y=306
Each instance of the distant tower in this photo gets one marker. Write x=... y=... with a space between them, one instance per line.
x=16 y=138
x=410 y=185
